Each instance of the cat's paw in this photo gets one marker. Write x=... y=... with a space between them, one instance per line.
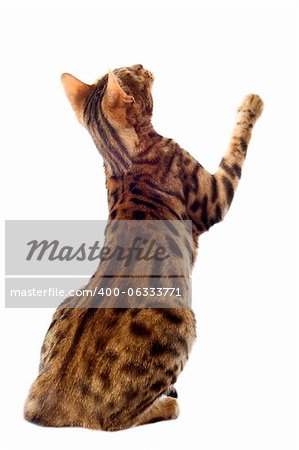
x=171 y=392
x=251 y=108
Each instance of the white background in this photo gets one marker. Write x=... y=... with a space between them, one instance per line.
x=239 y=390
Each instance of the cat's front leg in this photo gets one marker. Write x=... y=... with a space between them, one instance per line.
x=248 y=113
x=210 y=196
x=230 y=169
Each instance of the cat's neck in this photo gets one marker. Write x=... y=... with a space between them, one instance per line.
x=147 y=136
x=142 y=142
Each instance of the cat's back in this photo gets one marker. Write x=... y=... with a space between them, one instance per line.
x=107 y=359
x=91 y=338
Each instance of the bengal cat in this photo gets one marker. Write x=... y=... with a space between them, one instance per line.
x=114 y=368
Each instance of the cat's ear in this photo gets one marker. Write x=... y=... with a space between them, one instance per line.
x=77 y=93
x=115 y=95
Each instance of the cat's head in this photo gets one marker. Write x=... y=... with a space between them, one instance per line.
x=113 y=109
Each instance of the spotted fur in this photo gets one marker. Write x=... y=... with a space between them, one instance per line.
x=114 y=368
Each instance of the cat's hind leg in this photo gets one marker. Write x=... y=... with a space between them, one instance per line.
x=164 y=408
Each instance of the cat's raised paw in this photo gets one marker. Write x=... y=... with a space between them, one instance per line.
x=252 y=107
